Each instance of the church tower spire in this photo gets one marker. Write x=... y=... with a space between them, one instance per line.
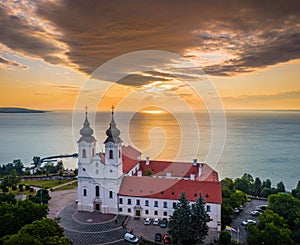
x=113 y=145
x=113 y=133
x=87 y=142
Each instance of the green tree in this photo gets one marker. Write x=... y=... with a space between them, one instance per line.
x=41 y=196
x=296 y=191
x=199 y=220
x=266 y=183
x=149 y=172
x=227 y=183
x=244 y=184
x=179 y=226
x=36 y=160
x=76 y=171
x=14 y=216
x=272 y=230
x=280 y=187
x=286 y=206
x=257 y=186
x=7 y=197
x=237 y=198
x=44 y=231
x=225 y=238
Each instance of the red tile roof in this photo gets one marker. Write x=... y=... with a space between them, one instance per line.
x=179 y=169
x=129 y=157
x=168 y=188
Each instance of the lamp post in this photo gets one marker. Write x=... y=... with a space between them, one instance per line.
x=41 y=194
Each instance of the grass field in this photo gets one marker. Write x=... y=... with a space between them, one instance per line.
x=67 y=187
x=46 y=183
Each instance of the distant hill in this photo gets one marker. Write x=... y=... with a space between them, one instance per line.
x=18 y=110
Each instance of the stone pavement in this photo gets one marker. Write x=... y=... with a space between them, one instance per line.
x=84 y=228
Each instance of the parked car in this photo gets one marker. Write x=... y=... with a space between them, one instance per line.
x=164 y=223
x=147 y=221
x=236 y=210
x=259 y=210
x=156 y=221
x=241 y=207
x=255 y=213
x=248 y=222
x=131 y=238
x=166 y=239
x=158 y=237
x=263 y=207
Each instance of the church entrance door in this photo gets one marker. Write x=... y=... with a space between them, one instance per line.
x=97 y=206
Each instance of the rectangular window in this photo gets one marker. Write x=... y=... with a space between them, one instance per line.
x=146 y=211
x=129 y=201
x=84 y=192
x=155 y=212
x=97 y=171
x=138 y=202
x=110 y=194
x=129 y=210
x=120 y=210
x=121 y=200
x=208 y=208
x=174 y=204
x=147 y=203
x=165 y=205
x=165 y=213
x=156 y=204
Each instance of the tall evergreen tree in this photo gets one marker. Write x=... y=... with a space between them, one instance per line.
x=199 y=220
x=179 y=226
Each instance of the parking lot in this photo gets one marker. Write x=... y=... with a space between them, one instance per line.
x=244 y=215
x=148 y=231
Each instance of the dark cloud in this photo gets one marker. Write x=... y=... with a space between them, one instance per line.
x=255 y=33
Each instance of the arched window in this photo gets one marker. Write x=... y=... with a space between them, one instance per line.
x=93 y=152
x=97 y=191
x=96 y=164
x=119 y=153
x=83 y=153
x=84 y=192
x=111 y=154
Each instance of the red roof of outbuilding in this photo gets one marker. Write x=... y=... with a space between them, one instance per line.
x=129 y=158
x=169 y=188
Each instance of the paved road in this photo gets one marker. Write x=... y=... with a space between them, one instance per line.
x=244 y=215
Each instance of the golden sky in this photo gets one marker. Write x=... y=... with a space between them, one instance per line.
x=250 y=51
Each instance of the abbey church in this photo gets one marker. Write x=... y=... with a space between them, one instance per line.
x=118 y=181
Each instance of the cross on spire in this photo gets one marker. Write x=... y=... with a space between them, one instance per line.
x=86 y=108
x=112 y=109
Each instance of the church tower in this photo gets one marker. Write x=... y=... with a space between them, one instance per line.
x=113 y=149
x=86 y=157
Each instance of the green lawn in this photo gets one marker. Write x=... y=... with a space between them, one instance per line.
x=46 y=183
x=67 y=187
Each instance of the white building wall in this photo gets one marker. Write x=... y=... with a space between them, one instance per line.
x=162 y=211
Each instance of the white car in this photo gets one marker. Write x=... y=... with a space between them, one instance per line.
x=131 y=238
x=147 y=221
x=156 y=221
x=249 y=221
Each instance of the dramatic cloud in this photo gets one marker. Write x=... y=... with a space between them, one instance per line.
x=246 y=35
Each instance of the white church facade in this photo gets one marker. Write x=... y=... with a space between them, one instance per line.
x=120 y=182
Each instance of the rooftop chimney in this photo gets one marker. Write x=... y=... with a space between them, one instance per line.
x=200 y=169
x=147 y=161
x=195 y=162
